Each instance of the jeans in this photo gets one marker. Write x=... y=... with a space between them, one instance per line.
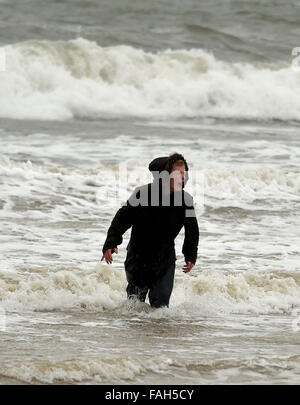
x=159 y=292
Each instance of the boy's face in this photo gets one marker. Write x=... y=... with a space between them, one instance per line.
x=177 y=177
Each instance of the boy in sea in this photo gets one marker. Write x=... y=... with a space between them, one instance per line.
x=156 y=212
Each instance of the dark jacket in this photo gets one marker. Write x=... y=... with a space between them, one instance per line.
x=151 y=248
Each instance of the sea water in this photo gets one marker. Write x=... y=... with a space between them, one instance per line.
x=90 y=93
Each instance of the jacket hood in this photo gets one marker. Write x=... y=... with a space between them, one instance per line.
x=158 y=164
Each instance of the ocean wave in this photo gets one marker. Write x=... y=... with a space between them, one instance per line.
x=224 y=183
x=244 y=292
x=64 y=289
x=127 y=369
x=60 y=80
x=249 y=184
x=103 y=289
x=100 y=370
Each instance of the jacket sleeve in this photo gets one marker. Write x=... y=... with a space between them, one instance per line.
x=191 y=237
x=122 y=221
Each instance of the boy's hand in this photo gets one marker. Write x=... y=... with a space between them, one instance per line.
x=187 y=267
x=108 y=255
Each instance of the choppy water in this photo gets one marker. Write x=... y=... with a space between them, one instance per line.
x=95 y=90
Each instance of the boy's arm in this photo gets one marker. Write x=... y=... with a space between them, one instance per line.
x=122 y=221
x=191 y=237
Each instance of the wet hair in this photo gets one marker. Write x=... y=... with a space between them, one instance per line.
x=175 y=159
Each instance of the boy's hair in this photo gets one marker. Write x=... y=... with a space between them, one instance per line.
x=178 y=160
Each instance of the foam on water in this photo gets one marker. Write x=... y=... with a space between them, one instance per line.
x=111 y=370
x=64 y=289
x=64 y=79
x=128 y=369
x=248 y=215
x=103 y=289
x=229 y=184
x=66 y=319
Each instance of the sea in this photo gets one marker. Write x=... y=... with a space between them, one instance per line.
x=92 y=91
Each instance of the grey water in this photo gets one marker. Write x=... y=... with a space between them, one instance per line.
x=91 y=88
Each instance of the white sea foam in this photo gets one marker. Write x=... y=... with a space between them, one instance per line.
x=103 y=288
x=79 y=78
x=127 y=369
x=64 y=194
x=109 y=370
x=239 y=186
x=64 y=289
x=227 y=292
x=245 y=184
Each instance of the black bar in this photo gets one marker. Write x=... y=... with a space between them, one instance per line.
x=140 y=393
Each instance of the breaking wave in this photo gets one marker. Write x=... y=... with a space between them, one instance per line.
x=98 y=370
x=103 y=289
x=132 y=369
x=227 y=184
x=60 y=80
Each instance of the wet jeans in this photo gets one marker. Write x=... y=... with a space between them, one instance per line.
x=159 y=292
